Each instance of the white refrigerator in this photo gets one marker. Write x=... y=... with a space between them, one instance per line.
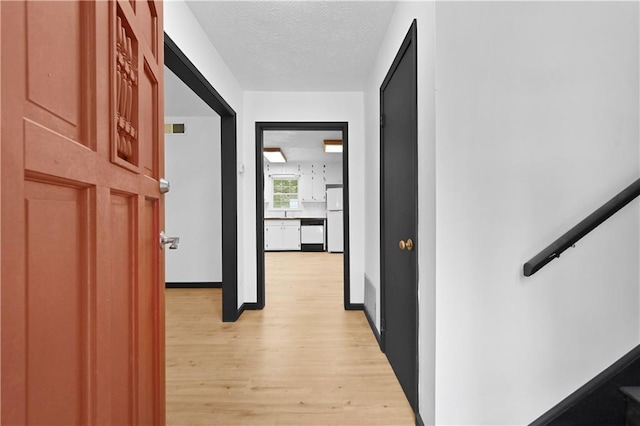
x=335 y=227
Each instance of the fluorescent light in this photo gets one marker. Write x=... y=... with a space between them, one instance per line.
x=332 y=146
x=274 y=155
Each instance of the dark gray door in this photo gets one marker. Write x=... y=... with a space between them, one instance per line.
x=399 y=203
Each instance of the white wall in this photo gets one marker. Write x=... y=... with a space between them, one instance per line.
x=306 y=106
x=193 y=206
x=537 y=126
x=185 y=31
x=404 y=14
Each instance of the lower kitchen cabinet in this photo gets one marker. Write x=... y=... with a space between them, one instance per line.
x=281 y=235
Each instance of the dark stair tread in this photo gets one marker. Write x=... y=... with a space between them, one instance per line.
x=632 y=412
x=631 y=392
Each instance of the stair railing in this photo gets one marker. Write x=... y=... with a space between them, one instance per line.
x=569 y=239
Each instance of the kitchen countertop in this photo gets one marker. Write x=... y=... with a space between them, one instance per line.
x=296 y=218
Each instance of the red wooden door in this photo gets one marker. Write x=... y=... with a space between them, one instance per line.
x=82 y=299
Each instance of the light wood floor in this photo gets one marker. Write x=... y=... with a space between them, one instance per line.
x=303 y=360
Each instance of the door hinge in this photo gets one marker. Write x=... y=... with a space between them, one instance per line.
x=382 y=326
x=382 y=121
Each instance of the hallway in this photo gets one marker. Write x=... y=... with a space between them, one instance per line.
x=302 y=360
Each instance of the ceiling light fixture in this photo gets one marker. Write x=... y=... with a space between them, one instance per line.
x=333 y=146
x=274 y=155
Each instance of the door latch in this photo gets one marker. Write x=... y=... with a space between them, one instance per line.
x=165 y=186
x=173 y=241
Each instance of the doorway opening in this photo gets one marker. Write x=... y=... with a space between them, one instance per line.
x=304 y=208
x=193 y=205
x=185 y=70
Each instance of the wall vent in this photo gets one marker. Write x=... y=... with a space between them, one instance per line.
x=174 y=129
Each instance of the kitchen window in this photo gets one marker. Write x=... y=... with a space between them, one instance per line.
x=285 y=193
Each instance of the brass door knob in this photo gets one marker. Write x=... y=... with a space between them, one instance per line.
x=408 y=244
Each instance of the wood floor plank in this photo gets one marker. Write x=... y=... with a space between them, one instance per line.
x=303 y=360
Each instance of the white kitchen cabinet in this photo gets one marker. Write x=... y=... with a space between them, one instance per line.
x=305 y=183
x=291 y=237
x=319 y=188
x=281 y=235
x=312 y=183
x=334 y=173
x=272 y=235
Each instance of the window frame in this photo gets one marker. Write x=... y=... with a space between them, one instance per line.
x=275 y=178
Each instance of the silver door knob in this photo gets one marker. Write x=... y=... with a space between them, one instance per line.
x=165 y=186
x=173 y=241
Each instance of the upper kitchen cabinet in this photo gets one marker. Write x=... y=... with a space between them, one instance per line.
x=333 y=172
x=313 y=183
x=305 y=183
x=319 y=187
x=312 y=179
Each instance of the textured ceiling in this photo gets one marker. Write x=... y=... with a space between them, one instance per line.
x=181 y=101
x=296 y=45
x=300 y=146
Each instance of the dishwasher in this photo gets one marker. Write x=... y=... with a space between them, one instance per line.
x=312 y=234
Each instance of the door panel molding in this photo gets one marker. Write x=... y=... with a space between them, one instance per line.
x=182 y=67
x=295 y=125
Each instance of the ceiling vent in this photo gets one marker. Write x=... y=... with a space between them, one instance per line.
x=174 y=129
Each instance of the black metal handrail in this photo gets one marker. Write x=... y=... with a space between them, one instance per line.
x=556 y=248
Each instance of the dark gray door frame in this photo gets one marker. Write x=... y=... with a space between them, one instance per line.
x=410 y=42
x=181 y=66
x=260 y=127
